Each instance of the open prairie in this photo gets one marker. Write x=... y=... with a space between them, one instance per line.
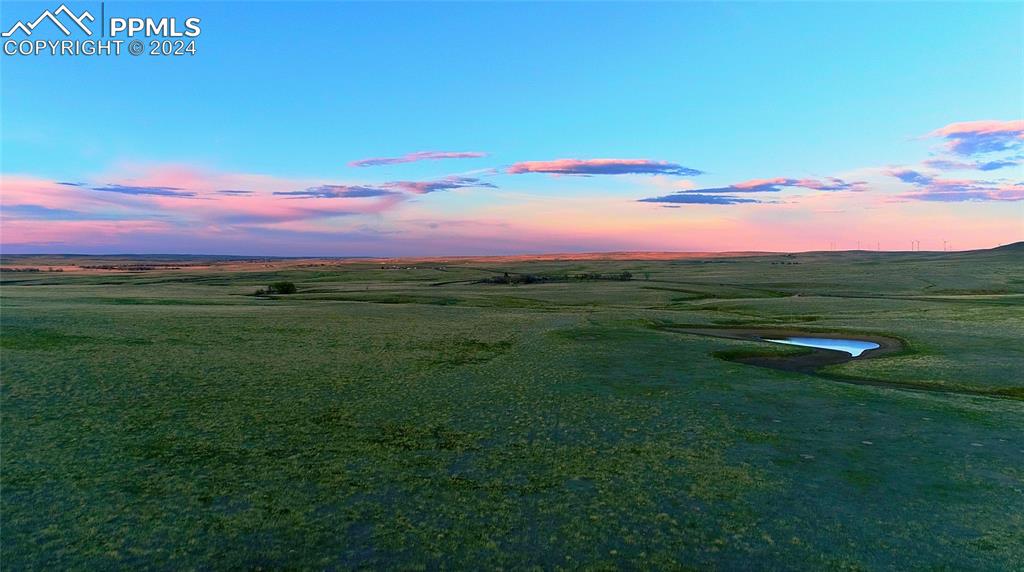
x=512 y=413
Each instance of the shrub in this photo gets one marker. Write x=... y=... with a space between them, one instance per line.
x=283 y=288
x=277 y=288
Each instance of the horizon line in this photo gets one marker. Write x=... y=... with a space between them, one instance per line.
x=723 y=253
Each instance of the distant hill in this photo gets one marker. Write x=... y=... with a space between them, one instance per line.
x=1012 y=247
x=134 y=262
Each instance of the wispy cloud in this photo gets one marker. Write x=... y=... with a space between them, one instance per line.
x=954 y=165
x=936 y=189
x=690 y=198
x=586 y=167
x=338 y=191
x=40 y=212
x=777 y=184
x=189 y=202
x=418 y=156
x=936 y=194
x=168 y=196
x=985 y=136
x=912 y=176
x=392 y=188
x=136 y=190
x=993 y=165
x=727 y=195
x=445 y=184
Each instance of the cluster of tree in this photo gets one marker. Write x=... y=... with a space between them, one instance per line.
x=624 y=275
x=522 y=279
x=507 y=278
x=277 y=288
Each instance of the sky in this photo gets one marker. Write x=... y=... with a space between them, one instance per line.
x=400 y=129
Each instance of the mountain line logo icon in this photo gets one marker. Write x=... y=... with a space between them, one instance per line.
x=53 y=17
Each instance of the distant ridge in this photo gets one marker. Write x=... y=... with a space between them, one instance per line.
x=71 y=261
x=1012 y=247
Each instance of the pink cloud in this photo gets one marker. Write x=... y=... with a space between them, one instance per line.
x=932 y=188
x=950 y=191
x=983 y=127
x=985 y=136
x=754 y=183
x=76 y=232
x=195 y=203
x=27 y=189
x=161 y=198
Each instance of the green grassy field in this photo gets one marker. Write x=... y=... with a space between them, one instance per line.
x=416 y=419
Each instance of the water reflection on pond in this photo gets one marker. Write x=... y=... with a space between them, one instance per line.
x=852 y=347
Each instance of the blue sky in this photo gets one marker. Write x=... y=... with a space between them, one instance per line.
x=739 y=91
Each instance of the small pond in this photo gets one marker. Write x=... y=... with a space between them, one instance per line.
x=852 y=347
